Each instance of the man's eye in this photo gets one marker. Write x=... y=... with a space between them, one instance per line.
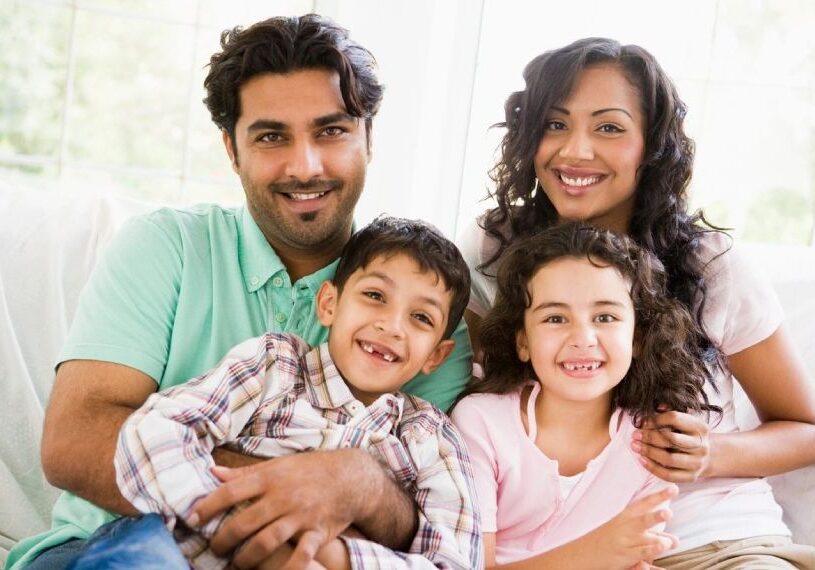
x=333 y=131
x=270 y=137
x=375 y=295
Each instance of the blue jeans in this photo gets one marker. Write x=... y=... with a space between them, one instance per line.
x=129 y=542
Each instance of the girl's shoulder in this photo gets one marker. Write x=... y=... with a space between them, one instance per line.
x=486 y=407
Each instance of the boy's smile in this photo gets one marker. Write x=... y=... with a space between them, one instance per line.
x=386 y=324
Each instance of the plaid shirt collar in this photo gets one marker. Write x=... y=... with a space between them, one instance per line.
x=326 y=389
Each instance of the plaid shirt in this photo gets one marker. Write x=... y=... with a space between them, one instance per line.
x=274 y=395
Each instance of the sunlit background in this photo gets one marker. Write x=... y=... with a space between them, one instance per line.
x=104 y=96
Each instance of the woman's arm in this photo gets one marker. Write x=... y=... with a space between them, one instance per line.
x=626 y=541
x=775 y=379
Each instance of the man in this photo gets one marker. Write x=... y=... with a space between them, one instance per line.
x=294 y=99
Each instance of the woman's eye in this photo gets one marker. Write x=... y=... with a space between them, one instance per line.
x=554 y=125
x=554 y=319
x=611 y=129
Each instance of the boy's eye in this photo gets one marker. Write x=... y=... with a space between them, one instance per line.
x=421 y=317
x=375 y=295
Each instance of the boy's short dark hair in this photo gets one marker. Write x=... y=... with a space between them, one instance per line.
x=420 y=241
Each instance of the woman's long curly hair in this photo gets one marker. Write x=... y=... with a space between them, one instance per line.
x=661 y=222
x=668 y=367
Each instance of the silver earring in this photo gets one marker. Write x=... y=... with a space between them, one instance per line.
x=535 y=188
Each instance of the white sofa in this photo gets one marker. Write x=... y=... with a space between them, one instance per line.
x=49 y=243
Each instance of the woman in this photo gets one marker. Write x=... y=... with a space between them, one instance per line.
x=597 y=135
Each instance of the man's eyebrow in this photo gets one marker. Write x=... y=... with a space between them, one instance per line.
x=595 y=113
x=338 y=117
x=267 y=125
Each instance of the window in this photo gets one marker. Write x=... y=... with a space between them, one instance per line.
x=105 y=96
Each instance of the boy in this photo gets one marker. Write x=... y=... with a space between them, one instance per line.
x=398 y=293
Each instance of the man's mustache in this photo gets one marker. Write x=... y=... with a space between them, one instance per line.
x=305 y=187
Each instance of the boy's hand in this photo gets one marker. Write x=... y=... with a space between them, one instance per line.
x=628 y=540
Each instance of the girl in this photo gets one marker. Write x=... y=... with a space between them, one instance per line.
x=597 y=135
x=581 y=346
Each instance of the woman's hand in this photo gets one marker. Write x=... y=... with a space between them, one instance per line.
x=674 y=446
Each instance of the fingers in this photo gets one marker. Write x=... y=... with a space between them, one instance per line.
x=241 y=487
x=240 y=526
x=263 y=544
x=307 y=547
x=650 y=502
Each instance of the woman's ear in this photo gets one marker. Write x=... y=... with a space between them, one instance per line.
x=522 y=346
x=327 y=298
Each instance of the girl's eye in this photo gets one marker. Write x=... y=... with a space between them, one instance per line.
x=554 y=319
x=375 y=295
x=606 y=318
x=610 y=129
x=421 y=317
x=554 y=125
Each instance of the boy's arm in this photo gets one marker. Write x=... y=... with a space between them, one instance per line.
x=448 y=535
x=164 y=457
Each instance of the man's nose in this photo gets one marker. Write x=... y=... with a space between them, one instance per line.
x=304 y=161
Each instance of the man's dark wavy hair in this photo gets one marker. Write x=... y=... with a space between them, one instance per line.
x=287 y=44
x=667 y=367
x=661 y=221
x=388 y=236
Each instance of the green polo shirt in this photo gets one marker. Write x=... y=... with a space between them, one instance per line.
x=174 y=291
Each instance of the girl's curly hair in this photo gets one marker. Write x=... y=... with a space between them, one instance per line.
x=661 y=222
x=667 y=369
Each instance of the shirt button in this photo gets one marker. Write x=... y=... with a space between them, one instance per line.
x=280 y=317
x=254 y=280
x=277 y=281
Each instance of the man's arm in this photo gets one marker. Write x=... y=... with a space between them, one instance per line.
x=310 y=497
x=89 y=403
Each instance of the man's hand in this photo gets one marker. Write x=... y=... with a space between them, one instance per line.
x=308 y=498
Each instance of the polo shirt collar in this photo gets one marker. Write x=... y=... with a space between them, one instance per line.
x=259 y=262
